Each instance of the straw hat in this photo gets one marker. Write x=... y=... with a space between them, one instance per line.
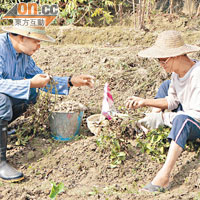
x=35 y=32
x=168 y=44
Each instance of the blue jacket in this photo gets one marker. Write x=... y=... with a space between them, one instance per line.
x=16 y=70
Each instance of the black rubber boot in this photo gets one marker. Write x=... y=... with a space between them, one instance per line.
x=7 y=172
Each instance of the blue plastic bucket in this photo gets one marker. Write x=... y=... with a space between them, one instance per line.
x=65 y=126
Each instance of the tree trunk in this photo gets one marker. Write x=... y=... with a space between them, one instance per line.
x=143 y=11
x=140 y=13
x=198 y=11
x=134 y=14
x=171 y=7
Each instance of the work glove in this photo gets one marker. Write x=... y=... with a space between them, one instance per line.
x=152 y=120
x=168 y=118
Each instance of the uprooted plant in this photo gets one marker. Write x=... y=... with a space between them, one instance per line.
x=114 y=139
x=36 y=117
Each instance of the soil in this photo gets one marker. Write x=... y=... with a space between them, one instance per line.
x=109 y=54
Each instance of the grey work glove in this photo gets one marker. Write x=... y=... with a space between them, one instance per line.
x=152 y=120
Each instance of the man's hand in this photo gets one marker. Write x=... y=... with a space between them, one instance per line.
x=135 y=102
x=83 y=80
x=152 y=120
x=40 y=81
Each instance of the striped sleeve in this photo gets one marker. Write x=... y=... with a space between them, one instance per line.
x=61 y=87
x=32 y=69
x=15 y=88
x=62 y=82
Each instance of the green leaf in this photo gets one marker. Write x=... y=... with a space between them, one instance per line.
x=109 y=3
x=153 y=138
x=121 y=154
x=56 y=189
x=149 y=146
x=116 y=144
x=117 y=162
x=97 y=12
x=113 y=166
x=162 y=150
x=159 y=138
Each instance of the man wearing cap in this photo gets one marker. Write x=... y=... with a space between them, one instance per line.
x=19 y=78
x=184 y=89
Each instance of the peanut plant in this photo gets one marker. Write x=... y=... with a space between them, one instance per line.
x=36 y=118
x=156 y=144
x=114 y=139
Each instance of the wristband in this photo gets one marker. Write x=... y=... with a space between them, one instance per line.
x=69 y=81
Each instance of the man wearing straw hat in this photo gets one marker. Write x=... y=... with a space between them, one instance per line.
x=19 y=78
x=184 y=89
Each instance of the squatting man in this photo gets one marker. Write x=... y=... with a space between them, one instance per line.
x=19 y=78
x=183 y=93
